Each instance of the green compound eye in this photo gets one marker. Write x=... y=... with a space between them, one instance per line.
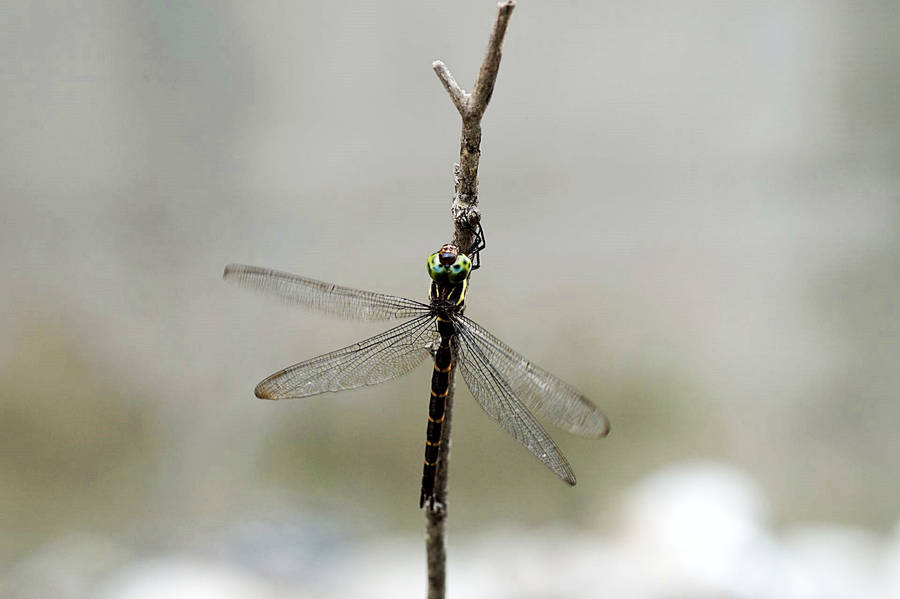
x=459 y=270
x=435 y=269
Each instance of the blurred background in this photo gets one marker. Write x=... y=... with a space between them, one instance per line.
x=692 y=215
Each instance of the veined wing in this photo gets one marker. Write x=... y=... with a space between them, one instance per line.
x=493 y=392
x=375 y=360
x=328 y=297
x=540 y=391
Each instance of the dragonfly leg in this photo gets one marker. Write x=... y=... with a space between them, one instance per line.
x=474 y=252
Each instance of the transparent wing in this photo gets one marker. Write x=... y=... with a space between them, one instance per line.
x=543 y=393
x=328 y=297
x=375 y=360
x=493 y=392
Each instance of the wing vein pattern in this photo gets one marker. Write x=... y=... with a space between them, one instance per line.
x=493 y=393
x=327 y=297
x=375 y=360
x=543 y=394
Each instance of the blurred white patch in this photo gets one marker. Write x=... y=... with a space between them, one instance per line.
x=699 y=526
x=183 y=578
x=828 y=560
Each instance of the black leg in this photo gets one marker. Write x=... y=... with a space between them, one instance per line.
x=479 y=244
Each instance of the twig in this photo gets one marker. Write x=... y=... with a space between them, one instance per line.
x=471 y=108
x=465 y=214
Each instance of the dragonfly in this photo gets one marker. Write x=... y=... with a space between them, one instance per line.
x=509 y=388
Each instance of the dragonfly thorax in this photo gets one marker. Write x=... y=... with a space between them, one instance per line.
x=447 y=299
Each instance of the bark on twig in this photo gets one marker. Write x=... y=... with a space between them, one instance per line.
x=471 y=107
x=464 y=211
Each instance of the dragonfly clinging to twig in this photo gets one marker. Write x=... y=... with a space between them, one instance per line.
x=506 y=385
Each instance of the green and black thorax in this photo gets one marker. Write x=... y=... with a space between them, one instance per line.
x=449 y=271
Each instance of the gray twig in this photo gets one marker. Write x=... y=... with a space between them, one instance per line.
x=465 y=214
x=459 y=97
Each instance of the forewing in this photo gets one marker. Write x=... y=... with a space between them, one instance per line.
x=543 y=393
x=493 y=393
x=375 y=360
x=328 y=297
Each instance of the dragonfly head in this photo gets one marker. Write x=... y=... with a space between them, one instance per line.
x=448 y=265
